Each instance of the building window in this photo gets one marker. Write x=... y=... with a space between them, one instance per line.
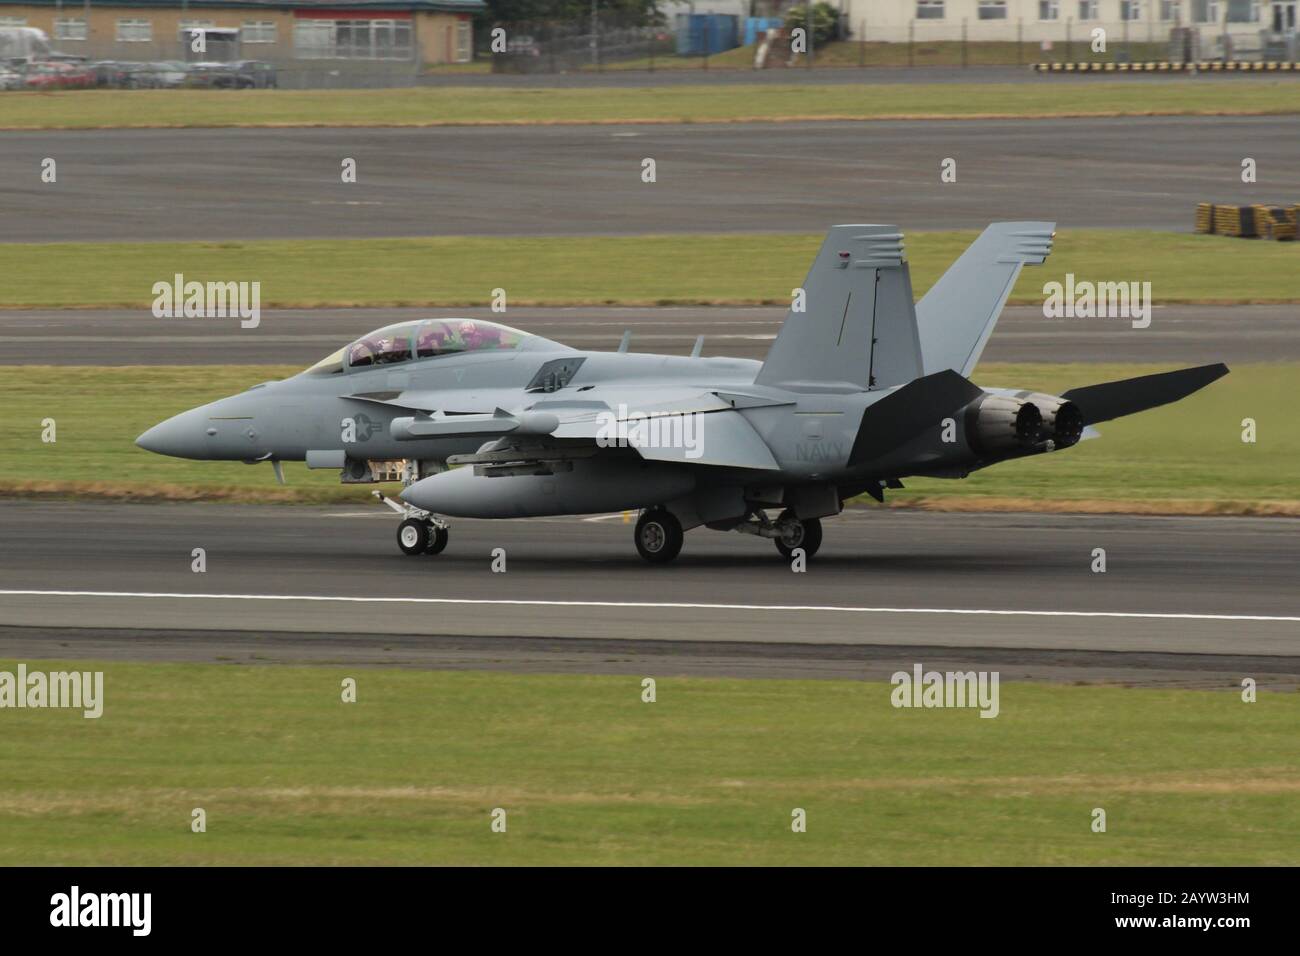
x=1243 y=11
x=352 y=39
x=1206 y=11
x=1087 y=9
x=1048 y=9
x=69 y=28
x=1169 y=10
x=929 y=9
x=188 y=38
x=134 y=31
x=258 y=31
x=1130 y=9
x=13 y=21
x=993 y=10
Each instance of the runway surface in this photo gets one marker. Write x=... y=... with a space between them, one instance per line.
x=1181 y=334
x=1200 y=600
x=225 y=184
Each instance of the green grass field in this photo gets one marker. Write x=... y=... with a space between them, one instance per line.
x=623 y=270
x=1186 y=456
x=588 y=774
x=431 y=106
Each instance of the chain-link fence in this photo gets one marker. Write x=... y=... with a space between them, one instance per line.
x=356 y=54
x=572 y=46
x=703 y=42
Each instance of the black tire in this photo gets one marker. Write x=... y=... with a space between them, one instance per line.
x=810 y=538
x=413 y=536
x=658 y=536
x=437 y=541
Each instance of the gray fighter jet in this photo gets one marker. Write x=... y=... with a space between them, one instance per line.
x=861 y=389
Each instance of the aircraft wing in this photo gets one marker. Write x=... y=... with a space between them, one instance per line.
x=684 y=425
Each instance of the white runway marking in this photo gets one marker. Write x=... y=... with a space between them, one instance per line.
x=1127 y=615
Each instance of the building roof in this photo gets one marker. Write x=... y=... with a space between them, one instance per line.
x=430 y=6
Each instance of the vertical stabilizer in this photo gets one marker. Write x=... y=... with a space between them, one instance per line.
x=858 y=327
x=956 y=317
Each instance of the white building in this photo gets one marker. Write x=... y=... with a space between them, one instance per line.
x=1140 y=21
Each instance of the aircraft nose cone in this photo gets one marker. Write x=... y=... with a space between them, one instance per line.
x=181 y=436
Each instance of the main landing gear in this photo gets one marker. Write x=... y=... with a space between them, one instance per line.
x=659 y=534
x=420 y=532
x=792 y=533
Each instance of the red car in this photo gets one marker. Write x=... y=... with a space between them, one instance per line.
x=59 y=76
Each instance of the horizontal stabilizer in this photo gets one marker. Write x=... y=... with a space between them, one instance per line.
x=1101 y=403
x=907 y=412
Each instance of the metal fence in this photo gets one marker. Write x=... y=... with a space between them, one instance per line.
x=292 y=70
x=572 y=46
x=604 y=44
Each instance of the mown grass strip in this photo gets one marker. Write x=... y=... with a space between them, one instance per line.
x=598 y=270
x=588 y=774
x=431 y=106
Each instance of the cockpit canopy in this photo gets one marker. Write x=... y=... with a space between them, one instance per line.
x=427 y=338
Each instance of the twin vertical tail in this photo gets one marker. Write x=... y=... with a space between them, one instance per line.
x=859 y=328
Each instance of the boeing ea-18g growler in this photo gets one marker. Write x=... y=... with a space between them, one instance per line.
x=861 y=389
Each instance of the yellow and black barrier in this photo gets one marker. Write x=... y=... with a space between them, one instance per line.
x=1258 y=221
x=1166 y=66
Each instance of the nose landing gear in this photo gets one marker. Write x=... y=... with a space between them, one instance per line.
x=420 y=532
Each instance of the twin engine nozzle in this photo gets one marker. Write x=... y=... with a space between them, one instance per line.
x=1027 y=421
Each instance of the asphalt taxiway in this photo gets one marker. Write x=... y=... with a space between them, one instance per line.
x=1201 y=601
x=243 y=184
x=1185 y=334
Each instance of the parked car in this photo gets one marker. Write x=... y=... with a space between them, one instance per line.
x=236 y=75
x=10 y=79
x=212 y=75
x=138 y=76
x=58 y=76
x=255 y=75
x=108 y=73
x=170 y=74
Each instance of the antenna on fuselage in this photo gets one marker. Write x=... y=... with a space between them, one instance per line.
x=627 y=340
x=699 y=346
